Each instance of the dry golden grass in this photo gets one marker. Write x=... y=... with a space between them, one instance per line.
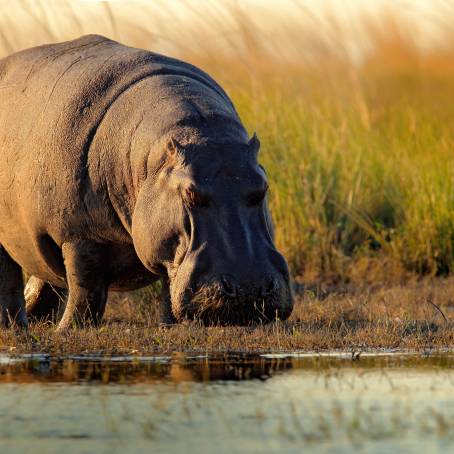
x=355 y=115
x=415 y=316
x=356 y=122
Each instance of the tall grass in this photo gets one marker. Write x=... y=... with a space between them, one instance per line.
x=355 y=117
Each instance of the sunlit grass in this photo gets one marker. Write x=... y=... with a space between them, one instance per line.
x=416 y=316
x=359 y=150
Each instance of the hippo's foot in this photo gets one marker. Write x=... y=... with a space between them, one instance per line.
x=12 y=304
x=43 y=301
x=166 y=315
x=87 y=286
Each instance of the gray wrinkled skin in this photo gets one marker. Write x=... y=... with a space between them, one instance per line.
x=121 y=167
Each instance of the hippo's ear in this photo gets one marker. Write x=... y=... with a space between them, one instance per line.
x=173 y=153
x=172 y=147
x=254 y=143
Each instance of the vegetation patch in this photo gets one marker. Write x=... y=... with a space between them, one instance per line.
x=415 y=316
x=355 y=117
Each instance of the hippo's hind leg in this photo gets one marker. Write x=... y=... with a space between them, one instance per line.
x=43 y=301
x=87 y=284
x=12 y=304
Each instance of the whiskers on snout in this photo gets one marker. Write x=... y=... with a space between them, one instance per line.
x=212 y=305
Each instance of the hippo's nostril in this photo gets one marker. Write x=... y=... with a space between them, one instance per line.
x=228 y=287
x=270 y=288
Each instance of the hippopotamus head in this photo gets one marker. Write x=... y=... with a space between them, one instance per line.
x=202 y=220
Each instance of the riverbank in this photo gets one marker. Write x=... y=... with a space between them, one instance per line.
x=417 y=315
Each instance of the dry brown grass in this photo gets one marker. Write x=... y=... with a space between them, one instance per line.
x=415 y=316
x=358 y=151
x=354 y=111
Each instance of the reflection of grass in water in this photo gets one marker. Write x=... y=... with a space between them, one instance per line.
x=149 y=429
x=361 y=423
x=111 y=421
x=259 y=414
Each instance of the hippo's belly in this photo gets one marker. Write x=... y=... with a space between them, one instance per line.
x=42 y=257
x=126 y=271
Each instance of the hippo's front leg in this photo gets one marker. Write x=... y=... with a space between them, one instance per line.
x=167 y=317
x=87 y=284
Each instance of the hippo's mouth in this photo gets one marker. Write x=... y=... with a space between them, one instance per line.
x=211 y=306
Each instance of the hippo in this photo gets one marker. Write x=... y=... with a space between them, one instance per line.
x=121 y=167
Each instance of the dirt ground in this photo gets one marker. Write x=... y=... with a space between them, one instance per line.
x=417 y=315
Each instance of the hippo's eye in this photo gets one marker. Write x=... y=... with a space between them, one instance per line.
x=194 y=199
x=256 y=197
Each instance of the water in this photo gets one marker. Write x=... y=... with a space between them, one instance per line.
x=271 y=403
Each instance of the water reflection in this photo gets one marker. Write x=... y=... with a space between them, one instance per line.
x=177 y=368
x=182 y=367
x=227 y=403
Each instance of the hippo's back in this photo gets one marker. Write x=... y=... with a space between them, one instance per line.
x=53 y=100
x=56 y=95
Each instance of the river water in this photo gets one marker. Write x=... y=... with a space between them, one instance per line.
x=228 y=403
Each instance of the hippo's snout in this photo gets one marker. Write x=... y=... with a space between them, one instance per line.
x=230 y=288
x=224 y=301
